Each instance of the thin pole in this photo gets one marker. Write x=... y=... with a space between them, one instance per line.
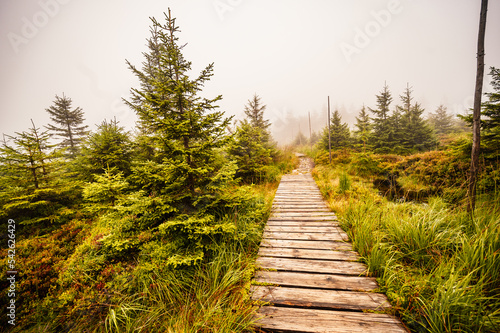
x=300 y=135
x=310 y=135
x=329 y=134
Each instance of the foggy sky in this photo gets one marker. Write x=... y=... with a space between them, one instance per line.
x=292 y=53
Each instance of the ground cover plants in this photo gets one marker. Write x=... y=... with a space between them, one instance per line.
x=438 y=264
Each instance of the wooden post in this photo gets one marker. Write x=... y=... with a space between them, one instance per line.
x=476 y=115
x=329 y=134
x=300 y=135
x=310 y=135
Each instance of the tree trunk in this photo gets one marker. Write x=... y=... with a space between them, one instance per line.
x=476 y=125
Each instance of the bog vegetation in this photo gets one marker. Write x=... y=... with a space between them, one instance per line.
x=398 y=184
x=156 y=229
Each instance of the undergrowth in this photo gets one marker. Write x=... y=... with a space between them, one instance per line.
x=438 y=265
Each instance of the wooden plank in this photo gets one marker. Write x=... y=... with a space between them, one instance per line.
x=299 y=202
x=291 y=197
x=295 y=209
x=320 y=298
x=290 y=228
x=298 y=191
x=304 y=214
x=303 y=218
x=314 y=266
x=320 y=281
x=299 y=206
x=296 y=223
x=332 y=236
x=280 y=319
x=297 y=188
x=308 y=254
x=303 y=244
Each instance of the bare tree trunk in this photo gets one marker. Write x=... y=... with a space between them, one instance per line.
x=476 y=125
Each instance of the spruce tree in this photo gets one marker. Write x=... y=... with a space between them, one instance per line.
x=491 y=117
x=178 y=189
x=184 y=129
x=68 y=124
x=340 y=134
x=396 y=135
x=363 y=127
x=380 y=138
x=441 y=121
x=250 y=153
x=109 y=147
x=252 y=147
x=490 y=120
x=31 y=169
x=254 y=111
x=416 y=134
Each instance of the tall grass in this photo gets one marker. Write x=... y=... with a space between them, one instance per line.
x=439 y=266
x=210 y=298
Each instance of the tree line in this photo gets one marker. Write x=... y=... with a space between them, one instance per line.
x=403 y=128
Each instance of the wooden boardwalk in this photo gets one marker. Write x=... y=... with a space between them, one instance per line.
x=309 y=273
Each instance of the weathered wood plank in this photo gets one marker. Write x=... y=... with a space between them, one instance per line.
x=280 y=319
x=308 y=254
x=303 y=214
x=315 y=298
x=298 y=202
x=295 y=209
x=290 y=228
x=314 y=266
x=297 y=188
x=332 y=236
x=297 y=223
x=303 y=218
x=300 y=192
x=303 y=244
x=299 y=206
x=320 y=281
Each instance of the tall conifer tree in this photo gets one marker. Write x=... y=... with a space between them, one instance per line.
x=252 y=147
x=363 y=127
x=254 y=111
x=68 y=124
x=416 y=134
x=183 y=128
x=380 y=137
x=340 y=134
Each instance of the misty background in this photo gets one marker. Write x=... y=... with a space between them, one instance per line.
x=292 y=53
